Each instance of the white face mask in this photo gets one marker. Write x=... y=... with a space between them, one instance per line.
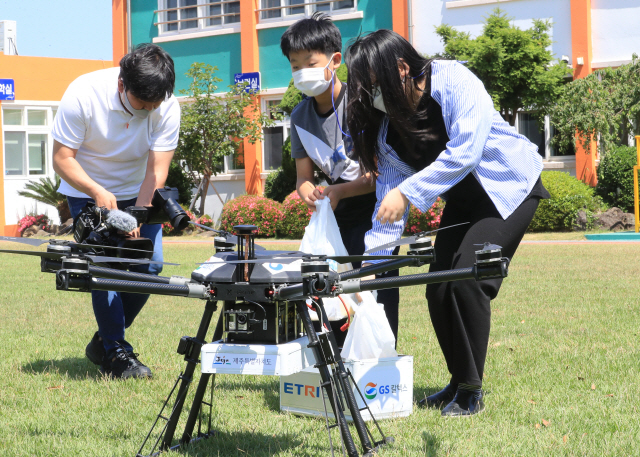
x=139 y=113
x=310 y=81
x=378 y=102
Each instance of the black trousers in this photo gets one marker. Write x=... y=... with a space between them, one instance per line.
x=461 y=310
x=353 y=239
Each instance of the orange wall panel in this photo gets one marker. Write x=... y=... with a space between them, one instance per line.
x=581 y=46
x=400 y=17
x=45 y=78
x=119 y=30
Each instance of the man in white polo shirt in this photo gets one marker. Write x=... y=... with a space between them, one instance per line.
x=115 y=133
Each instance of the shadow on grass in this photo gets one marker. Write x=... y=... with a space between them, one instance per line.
x=72 y=367
x=250 y=443
x=269 y=385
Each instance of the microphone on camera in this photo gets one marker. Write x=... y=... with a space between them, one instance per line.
x=120 y=220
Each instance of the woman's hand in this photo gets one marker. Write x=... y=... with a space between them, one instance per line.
x=392 y=207
x=334 y=193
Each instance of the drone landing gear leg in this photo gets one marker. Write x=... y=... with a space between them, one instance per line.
x=327 y=381
x=326 y=352
x=190 y=348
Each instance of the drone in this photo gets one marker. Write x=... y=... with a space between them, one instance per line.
x=263 y=296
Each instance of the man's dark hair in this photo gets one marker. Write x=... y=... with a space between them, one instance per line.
x=147 y=72
x=318 y=33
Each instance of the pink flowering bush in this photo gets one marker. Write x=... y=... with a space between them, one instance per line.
x=296 y=216
x=40 y=221
x=423 y=222
x=262 y=212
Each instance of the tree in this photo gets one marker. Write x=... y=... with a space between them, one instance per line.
x=515 y=65
x=604 y=105
x=213 y=127
x=46 y=191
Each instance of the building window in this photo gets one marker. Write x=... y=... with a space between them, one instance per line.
x=275 y=10
x=27 y=140
x=235 y=163
x=187 y=16
x=274 y=136
x=529 y=126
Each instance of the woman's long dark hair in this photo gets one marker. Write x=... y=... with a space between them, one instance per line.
x=374 y=58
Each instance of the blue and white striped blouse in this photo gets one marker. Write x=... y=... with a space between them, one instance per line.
x=506 y=164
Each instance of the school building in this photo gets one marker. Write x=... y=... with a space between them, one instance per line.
x=243 y=36
x=30 y=91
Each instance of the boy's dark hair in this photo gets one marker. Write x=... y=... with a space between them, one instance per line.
x=317 y=33
x=147 y=72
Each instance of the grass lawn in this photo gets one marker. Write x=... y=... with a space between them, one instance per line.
x=561 y=376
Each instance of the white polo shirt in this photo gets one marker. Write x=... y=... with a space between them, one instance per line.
x=113 y=146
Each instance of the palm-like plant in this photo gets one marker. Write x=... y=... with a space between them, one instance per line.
x=46 y=191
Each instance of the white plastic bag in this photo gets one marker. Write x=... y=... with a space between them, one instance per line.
x=322 y=236
x=370 y=335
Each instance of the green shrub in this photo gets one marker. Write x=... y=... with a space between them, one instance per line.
x=252 y=210
x=422 y=222
x=615 y=177
x=568 y=196
x=177 y=178
x=296 y=217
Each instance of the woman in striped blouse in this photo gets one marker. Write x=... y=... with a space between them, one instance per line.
x=429 y=129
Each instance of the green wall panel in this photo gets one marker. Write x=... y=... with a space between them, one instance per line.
x=224 y=51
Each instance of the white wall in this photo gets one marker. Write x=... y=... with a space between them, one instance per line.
x=427 y=14
x=615 y=29
x=228 y=190
x=16 y=207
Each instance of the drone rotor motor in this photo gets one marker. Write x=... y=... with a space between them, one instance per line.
x=423 y=246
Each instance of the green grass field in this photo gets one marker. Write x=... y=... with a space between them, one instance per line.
x=561 y=375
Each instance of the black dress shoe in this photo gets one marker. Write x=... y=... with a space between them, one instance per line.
x=465 y=403
x=441 y=398
x=95 y=350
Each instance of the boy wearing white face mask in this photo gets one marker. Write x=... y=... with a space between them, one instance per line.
x=319 y=136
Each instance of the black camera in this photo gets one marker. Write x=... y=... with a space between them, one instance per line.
x=106 y=228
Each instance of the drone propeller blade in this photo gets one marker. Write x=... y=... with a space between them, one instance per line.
x=393 y=244
x=230 y=238
x=410 y=239
x=93 y=258
x=112 y=247
x=105 y=259
x=48 y=255
x=29 y=241
x=488 y=246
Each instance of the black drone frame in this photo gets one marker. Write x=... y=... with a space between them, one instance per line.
x=75 y=272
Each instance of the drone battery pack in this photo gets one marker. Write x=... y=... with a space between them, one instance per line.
x=257 y=359
x=386 y=385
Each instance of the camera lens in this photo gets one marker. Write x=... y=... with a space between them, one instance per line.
x=242 y=318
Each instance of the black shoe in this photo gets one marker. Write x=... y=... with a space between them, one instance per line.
x=124 y=365
x=95 y=350
x=441 y=398
x=465 y=403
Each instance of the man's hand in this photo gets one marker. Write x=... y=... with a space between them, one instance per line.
x=106 y=199
x=334 y=193
x=392 y=207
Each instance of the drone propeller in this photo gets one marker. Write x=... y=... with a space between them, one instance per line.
x=336 y=258
x=229 y=237
x=93 y=258
x=489 y=246
x=410 y=239
x=37 y=242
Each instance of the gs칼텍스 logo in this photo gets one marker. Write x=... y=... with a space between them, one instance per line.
x=370 y=391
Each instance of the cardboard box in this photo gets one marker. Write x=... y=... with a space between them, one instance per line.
x=258 y=359
x=386 y=384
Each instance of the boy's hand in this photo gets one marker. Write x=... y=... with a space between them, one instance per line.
x=334 y=193
x=392 y=207
x=311 y=198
